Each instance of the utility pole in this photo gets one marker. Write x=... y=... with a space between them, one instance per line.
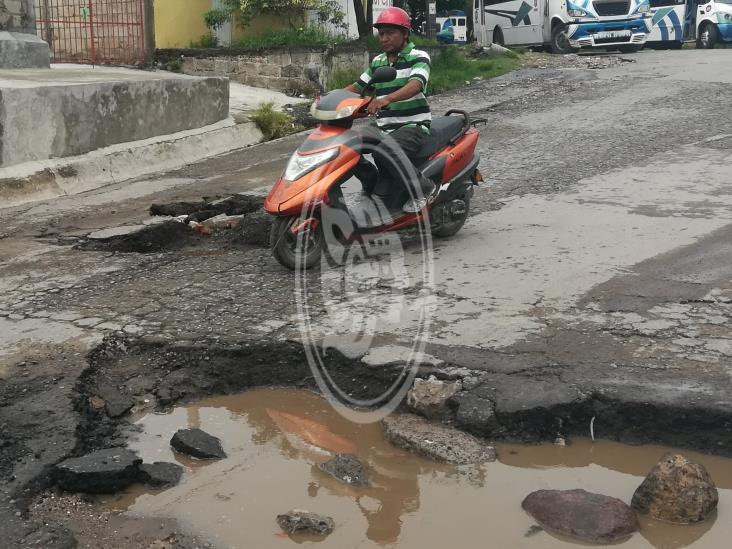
x=431 y=18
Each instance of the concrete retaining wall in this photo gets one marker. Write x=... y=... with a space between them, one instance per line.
x=59 y=113
x=290 y=70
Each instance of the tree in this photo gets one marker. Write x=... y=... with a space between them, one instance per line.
x=364 y=17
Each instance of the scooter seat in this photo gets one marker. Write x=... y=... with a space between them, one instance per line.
x=442 y=130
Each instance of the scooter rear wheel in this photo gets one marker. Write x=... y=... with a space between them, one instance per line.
x=301 y=250
x=452 y=226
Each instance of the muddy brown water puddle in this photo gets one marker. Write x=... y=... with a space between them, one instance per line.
x=275 y=437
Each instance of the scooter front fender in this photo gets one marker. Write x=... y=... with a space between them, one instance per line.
x=292 y=197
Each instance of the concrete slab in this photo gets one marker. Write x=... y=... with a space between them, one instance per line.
x=75 y=109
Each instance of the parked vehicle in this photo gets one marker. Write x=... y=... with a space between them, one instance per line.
x=710 y=22
x=455 y=23
x=311 y=192
x=668 y=24
x=563 y=25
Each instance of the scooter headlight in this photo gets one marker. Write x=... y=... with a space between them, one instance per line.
x=301 y=164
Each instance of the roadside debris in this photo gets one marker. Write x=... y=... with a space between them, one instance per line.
x=429 y=396
x=346 y=468
x=436 y=441
x=589 y=517
x=255 y=228
x=677 y=490
x=103 y=471
x=299 y=520
x=198 y=444
x=575 y=61
x=137 y=238
x=116 y=403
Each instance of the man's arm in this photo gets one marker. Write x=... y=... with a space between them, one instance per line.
x=410 y=89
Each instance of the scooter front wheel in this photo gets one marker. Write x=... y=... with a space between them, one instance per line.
x=302 y=249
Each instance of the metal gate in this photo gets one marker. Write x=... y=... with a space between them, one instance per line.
x=93 y=31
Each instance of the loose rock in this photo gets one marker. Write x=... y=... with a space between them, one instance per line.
x=676 y=490
x=583 y=515
x=299 y=520
x=255 y=228
x=197 y=443
x=104 y=471
x=346 y=468
x=160 y=473
x=116 y=403
x=436 y=441
x=475 y=414
x=429 y=396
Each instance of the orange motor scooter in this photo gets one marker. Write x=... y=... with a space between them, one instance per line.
x=318 y=181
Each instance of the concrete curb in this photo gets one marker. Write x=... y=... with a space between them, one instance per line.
x=43 y=180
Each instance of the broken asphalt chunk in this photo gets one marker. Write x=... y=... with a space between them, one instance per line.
x=100 y=472
x=198 y=444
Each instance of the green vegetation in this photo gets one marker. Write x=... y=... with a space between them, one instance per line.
x=273 y=123
x=302 y=36
x=452 y=69
x=206 y=41
x=343 y=77
x=372 y=42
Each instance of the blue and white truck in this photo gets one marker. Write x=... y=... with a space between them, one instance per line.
x=708 y=23
x=564 y=26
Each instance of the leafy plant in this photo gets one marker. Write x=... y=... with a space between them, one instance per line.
x=343 y=77
x=328 y=11
x=272 y=123
x=301 y=36
x=451 y=69
x=206 y=41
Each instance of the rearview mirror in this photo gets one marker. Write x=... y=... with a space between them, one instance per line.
x=383 y=74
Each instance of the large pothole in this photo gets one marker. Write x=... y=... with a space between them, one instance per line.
x=275 y=439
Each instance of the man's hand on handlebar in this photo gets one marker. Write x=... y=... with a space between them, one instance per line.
x=377 y=104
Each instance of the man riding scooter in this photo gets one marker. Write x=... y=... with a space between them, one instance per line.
x=402 y=114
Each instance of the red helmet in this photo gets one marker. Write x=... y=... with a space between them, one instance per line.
x=394 y=17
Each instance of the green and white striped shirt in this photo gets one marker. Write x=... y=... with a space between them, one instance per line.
x=411 y=64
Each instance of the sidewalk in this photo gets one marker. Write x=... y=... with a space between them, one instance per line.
x=47 y=179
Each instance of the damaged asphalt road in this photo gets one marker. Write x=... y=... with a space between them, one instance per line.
x=592 y=280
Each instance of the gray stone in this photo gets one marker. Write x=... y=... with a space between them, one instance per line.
x=583 y=515
x=429 y=396
x=104 y=471
x=160 y=473
x=676 y=490
x=435 y=441
x=198 y=444
x=299 y=520
x=346 y=468
x=475 y=414
x=255 y=228
x=116 y=403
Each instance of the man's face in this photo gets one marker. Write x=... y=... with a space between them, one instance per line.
x=391 y=39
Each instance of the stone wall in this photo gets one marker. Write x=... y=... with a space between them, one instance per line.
x=290 y=70
x=17 y=16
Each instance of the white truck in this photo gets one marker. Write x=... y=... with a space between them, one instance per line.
x=563 y=25
x=710 y=22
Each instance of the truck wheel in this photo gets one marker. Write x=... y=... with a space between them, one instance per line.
x=498 y=37
x=630 y=49
x=560 y=41
x=708 y=37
